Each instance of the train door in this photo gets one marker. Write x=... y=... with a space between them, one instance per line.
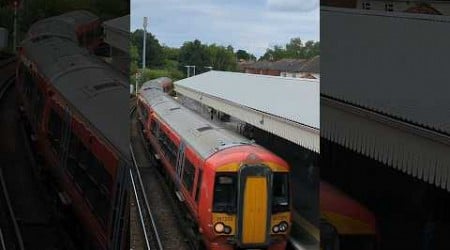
x=254 y=208
x=180 y=161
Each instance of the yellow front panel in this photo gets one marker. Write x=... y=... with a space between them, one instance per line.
x=255 y=211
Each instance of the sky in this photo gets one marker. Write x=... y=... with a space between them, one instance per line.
x=252 y=25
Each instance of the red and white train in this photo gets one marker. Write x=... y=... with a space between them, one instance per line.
x=75 y=108
x=236 y=192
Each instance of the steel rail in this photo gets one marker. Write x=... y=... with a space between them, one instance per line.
x=145 y=207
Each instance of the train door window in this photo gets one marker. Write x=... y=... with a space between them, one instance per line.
x=91 y=180
x=39 y=104
x=169 y=148
x=189 y=174
x=28 y=82
x=199 y=184
x=225 y=193
x=99 y=174
x=55 y=130
x=74 y=150
x=280 y=192
x=143 y=111
x=154 y=127
x=83 y=158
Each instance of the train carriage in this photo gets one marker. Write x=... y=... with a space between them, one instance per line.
x=236 y=192
x=66 y=96
x=346 y=224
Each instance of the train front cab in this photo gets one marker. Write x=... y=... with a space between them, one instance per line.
x=250 y=206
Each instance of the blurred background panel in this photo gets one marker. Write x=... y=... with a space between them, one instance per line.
x=385 y=117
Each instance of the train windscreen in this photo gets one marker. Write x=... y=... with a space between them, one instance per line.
x=280 y=192
x=225 y=193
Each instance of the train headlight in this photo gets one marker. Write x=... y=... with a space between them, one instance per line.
x=283 y=226
x=227 y=230
x=219 y=227
x=275 y=229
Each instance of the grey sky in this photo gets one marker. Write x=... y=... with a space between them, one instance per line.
x=253 y=25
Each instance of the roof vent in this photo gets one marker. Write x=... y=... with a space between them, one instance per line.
x=201 y=129
x=175 y=108
x=103 y=86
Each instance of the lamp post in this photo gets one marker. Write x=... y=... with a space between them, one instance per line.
x=15 y=27
x=144 y=42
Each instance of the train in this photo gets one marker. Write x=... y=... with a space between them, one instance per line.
x=345 y=223
x=71 y=103
x=236 y=193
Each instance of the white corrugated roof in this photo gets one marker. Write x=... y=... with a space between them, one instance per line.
x=286 y=107
x=290 y=98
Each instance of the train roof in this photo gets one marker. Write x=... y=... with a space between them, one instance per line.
x=52 y=27
x=203 y=136
x=90 y=85
x=80 y=17
x=61 y=26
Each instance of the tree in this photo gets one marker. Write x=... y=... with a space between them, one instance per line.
x=154 y=56
x=242 y=54
x=294 y=49
x=194 y=53
x=134 y=56
x=222 y=58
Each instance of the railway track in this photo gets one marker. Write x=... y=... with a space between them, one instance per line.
x=10 y=235
x=149 y=228
x=170 y=222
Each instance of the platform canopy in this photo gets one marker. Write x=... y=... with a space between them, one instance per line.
x=287 y=107
x=385 y=94
x=117 y=32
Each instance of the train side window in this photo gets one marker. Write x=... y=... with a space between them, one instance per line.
x=189 y=174
x=55 y=130
x=199 y=184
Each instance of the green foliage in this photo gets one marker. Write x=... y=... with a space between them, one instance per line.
x=294 y=49
x=194 y=53
x=244 y=55
x=153 y=52
x=133 y=58
x=171 y=62
x=221 y=58
x=171 y=53
x=203 y=56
